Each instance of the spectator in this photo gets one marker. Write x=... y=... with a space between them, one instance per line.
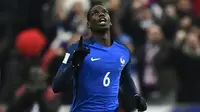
x=185 y=59
x=24 y=69
x=150 y=54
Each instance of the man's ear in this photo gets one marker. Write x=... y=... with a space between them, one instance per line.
x=88 y=24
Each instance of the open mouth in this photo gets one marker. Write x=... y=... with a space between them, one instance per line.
x=102 y=21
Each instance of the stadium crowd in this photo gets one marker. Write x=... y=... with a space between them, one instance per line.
x=162 y=35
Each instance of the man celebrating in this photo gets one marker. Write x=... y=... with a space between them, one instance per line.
x=98 y=66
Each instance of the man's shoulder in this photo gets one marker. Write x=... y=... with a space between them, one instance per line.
x=122 y=46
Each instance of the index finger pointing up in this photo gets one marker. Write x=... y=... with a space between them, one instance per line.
x=80 y=44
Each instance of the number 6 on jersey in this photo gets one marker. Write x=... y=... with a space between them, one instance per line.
x=106 y=80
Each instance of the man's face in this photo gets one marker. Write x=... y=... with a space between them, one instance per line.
x=99 y=19
x=154 y=34
x=192 y=40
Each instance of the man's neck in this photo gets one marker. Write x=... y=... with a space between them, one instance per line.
x=103 y=38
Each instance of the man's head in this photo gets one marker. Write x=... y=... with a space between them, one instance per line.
x=98 y=19
x=193 y=40
x=154 y=34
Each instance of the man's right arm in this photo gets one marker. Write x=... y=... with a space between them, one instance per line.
x=65 y=72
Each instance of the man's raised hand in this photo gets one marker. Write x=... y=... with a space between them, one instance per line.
x=80 y=44
x=80 y=53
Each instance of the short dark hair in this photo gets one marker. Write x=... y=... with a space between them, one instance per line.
x=88 y=14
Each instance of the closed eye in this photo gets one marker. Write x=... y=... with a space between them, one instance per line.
x=105 y=11
x=94 y=13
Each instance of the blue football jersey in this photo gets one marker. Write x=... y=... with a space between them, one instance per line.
x=97 y=83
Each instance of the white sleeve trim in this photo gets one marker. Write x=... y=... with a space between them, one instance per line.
x=66 y=58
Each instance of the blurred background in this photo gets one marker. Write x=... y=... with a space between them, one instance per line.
x=162 y=35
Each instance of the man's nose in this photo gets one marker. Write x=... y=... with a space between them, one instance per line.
x=101 y=14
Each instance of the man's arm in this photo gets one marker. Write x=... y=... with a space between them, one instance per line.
x=129 y=92
x=65 y=72
x=126 y=82
x=71 y=62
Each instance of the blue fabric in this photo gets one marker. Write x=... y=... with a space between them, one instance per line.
x=123 y=38
x=187 y=108
x=97 y=83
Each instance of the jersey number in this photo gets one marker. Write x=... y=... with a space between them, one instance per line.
x=106 y=80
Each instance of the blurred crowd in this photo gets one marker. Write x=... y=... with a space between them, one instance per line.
x=163 y=37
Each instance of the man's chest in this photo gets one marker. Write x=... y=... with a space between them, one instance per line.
x=113 y=60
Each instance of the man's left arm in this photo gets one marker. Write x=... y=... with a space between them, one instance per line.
x=126 y=81
x=127 y=85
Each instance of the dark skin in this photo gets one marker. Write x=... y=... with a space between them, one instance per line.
x=99 y=24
